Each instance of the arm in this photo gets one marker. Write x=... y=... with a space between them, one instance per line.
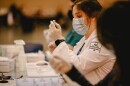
x=60 y=65
x=76 y=76
x=88 y=57
x=93 y=64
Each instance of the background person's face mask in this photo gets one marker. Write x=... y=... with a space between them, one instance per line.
x=79 y=26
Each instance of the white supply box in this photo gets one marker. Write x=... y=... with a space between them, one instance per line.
x=6 y=64
x=34 y=57
x=40 y=69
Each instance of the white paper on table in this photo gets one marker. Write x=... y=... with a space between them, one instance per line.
x=44 y=81
x=33 y=70
x=34 y=57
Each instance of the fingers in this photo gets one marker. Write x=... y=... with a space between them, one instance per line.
x=55 y=31
x=55 y=24
x=52 y=25
x=52 y=22
x=57 y=57
x=60 y=65
x=51 y=46
x=59 y=68
x=56 y=64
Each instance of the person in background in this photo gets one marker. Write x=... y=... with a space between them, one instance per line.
x=72 y=37
x=113 y=32
x=92 y=59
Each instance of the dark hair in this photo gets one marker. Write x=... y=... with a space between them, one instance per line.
x=112 y=23
x=72 y=0
x=113 y=29
x=90 y=7
x=70 y=11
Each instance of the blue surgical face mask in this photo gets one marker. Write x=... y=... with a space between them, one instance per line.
x=79 y=26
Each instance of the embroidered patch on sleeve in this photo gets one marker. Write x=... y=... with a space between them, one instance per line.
x=95 y=46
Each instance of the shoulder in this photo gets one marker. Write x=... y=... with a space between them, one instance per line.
x=97 y=47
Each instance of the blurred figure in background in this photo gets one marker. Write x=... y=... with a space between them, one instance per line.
x=26 y=21
x=13 y=14
x=113 y=32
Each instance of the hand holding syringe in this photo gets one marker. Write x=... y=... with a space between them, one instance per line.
x=53 y=23
x=55 y=31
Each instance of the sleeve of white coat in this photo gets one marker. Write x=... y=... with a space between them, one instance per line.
x=90 y=60
x=85 y=62
x=62 y=50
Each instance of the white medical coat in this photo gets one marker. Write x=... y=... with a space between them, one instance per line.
x=94 y=60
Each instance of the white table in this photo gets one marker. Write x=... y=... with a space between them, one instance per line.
x=25 y=80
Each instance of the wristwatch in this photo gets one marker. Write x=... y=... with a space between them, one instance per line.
x=58 y=41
